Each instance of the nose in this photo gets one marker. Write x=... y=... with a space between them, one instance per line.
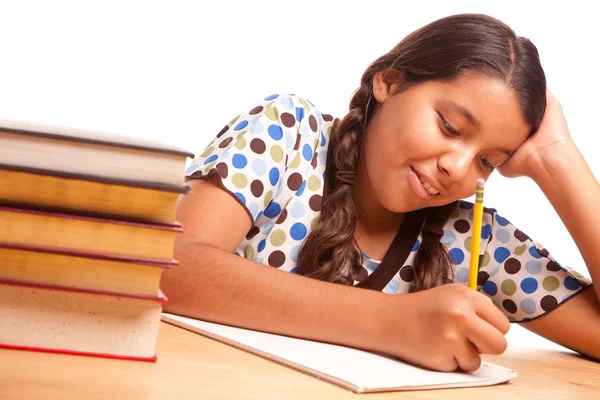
x=455 y=165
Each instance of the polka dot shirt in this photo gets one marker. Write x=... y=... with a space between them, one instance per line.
x=272 y=159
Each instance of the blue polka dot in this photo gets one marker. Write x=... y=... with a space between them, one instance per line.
x=486 y=231
x=241 y=197
x=260 y=213
x=279 y=190
x=494 y=270
x=294 y=253
x=503 y=236
x=289 y=140
x=307 y=152
x=261 y=245
x=456 y=256
x=322 y=157
x=529 y=285
x=534 y=252
x=268 y=227
x=528 y=306
x=274 y=176
x=295 y=270
x=365 y=255
x=309 y=102
x=298 y=231
x=301 y=188
x=253 y=207
x=275 y=132
x=192 y=168
x=372 y=266
x=259 y=167
x=323 y=140
x=257 y=127
x=298 y=210
x=273 y=210
x=211 y=159
x=448 y=237
x=287 y=102
x=259 y=260
x=533 y=266
x=416 y=245
x=490 y=288
x=571 y=283
x=501 y=220
x=239 y=161
x=271 y=97
x=299 y=113
x=240 y=125
x=392 y=287
x=462 y=276
x=501 y=254
x=466 y=205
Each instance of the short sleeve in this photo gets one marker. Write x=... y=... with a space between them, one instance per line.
x=521 y=276
x=263 y=151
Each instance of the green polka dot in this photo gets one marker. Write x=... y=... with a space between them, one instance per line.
x=520 y=249
x=278 y=238
x=296 y=162
x=272 y=113
x=314 y=222
x=512 y=319
x=576 y=273
x=412 y=289
x=249 y=252
x=468 y=243
x=314 y=183
x=209 y=166
x=235 y=119
x=486 y=260
x=241 y=144
x=240 y=135
x=329 y=134
x=551 y=283
x=239 y=180
x=207 y=152
x=316 y=143
x=276 y=153
x=455 y=214
x=509 y=287
x=268 y=197
x=305 y=104
x=538 y=245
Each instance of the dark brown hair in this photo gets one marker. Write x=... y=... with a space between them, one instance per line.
x=441 y=50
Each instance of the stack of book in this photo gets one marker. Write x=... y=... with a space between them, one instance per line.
x=87 y=226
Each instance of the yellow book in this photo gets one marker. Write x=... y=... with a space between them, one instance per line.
x=88 y=234
x=78 y=270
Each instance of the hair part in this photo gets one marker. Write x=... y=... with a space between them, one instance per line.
x=441 y=50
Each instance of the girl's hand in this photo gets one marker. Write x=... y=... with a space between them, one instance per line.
x=551 y=138
x=446 y=328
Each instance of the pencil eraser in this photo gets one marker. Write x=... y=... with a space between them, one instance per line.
x=480 y=182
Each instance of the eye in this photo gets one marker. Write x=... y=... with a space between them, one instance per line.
x=487 y=165
x=446 y=127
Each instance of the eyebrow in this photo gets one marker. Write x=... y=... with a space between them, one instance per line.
x=472 y=120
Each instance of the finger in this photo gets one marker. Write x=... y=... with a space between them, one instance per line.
x=487 y=311
x=466 y=357
x=485 y=337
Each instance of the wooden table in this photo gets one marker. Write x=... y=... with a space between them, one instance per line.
x=193 y=366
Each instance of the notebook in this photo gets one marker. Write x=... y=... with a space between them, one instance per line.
x=357 y=370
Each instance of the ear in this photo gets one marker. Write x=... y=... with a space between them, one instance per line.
x=385 y=82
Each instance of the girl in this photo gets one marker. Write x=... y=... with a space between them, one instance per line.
x=365 y=212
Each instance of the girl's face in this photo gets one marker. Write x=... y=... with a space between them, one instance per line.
x=428 y=145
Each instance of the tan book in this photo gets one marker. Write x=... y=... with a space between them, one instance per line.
x=88 y=194
x=79 y=270
x=88 y=152
x=88 y=234
x=77 y=322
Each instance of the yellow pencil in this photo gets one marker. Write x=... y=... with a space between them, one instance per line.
x=476 y=239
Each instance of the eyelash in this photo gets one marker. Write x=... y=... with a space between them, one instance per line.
x=453 y=132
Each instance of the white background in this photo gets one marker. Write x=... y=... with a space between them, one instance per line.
x=178 y=71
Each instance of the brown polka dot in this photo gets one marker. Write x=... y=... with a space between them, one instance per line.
x=286 y=158
x=362 y=274
x=225 y=129
x=288 y=119
x=482 y=276
x=462 y=226
x=314 y=160
x=252 y=232
x=222 y=170
x=543 y=252
x=276 y=259
x=298 y=139
x=520 y=235
x=509 y=306
x=256 y=110
x=327 y=117
x=294 y=181
x=282 y=216
x=256 y=187
x=552 y=266
x=512 y=266
x=225 y=142
x=315 y=202
x=312 y=121
x=407 y=274
x=258 y=146
x=548 y=303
